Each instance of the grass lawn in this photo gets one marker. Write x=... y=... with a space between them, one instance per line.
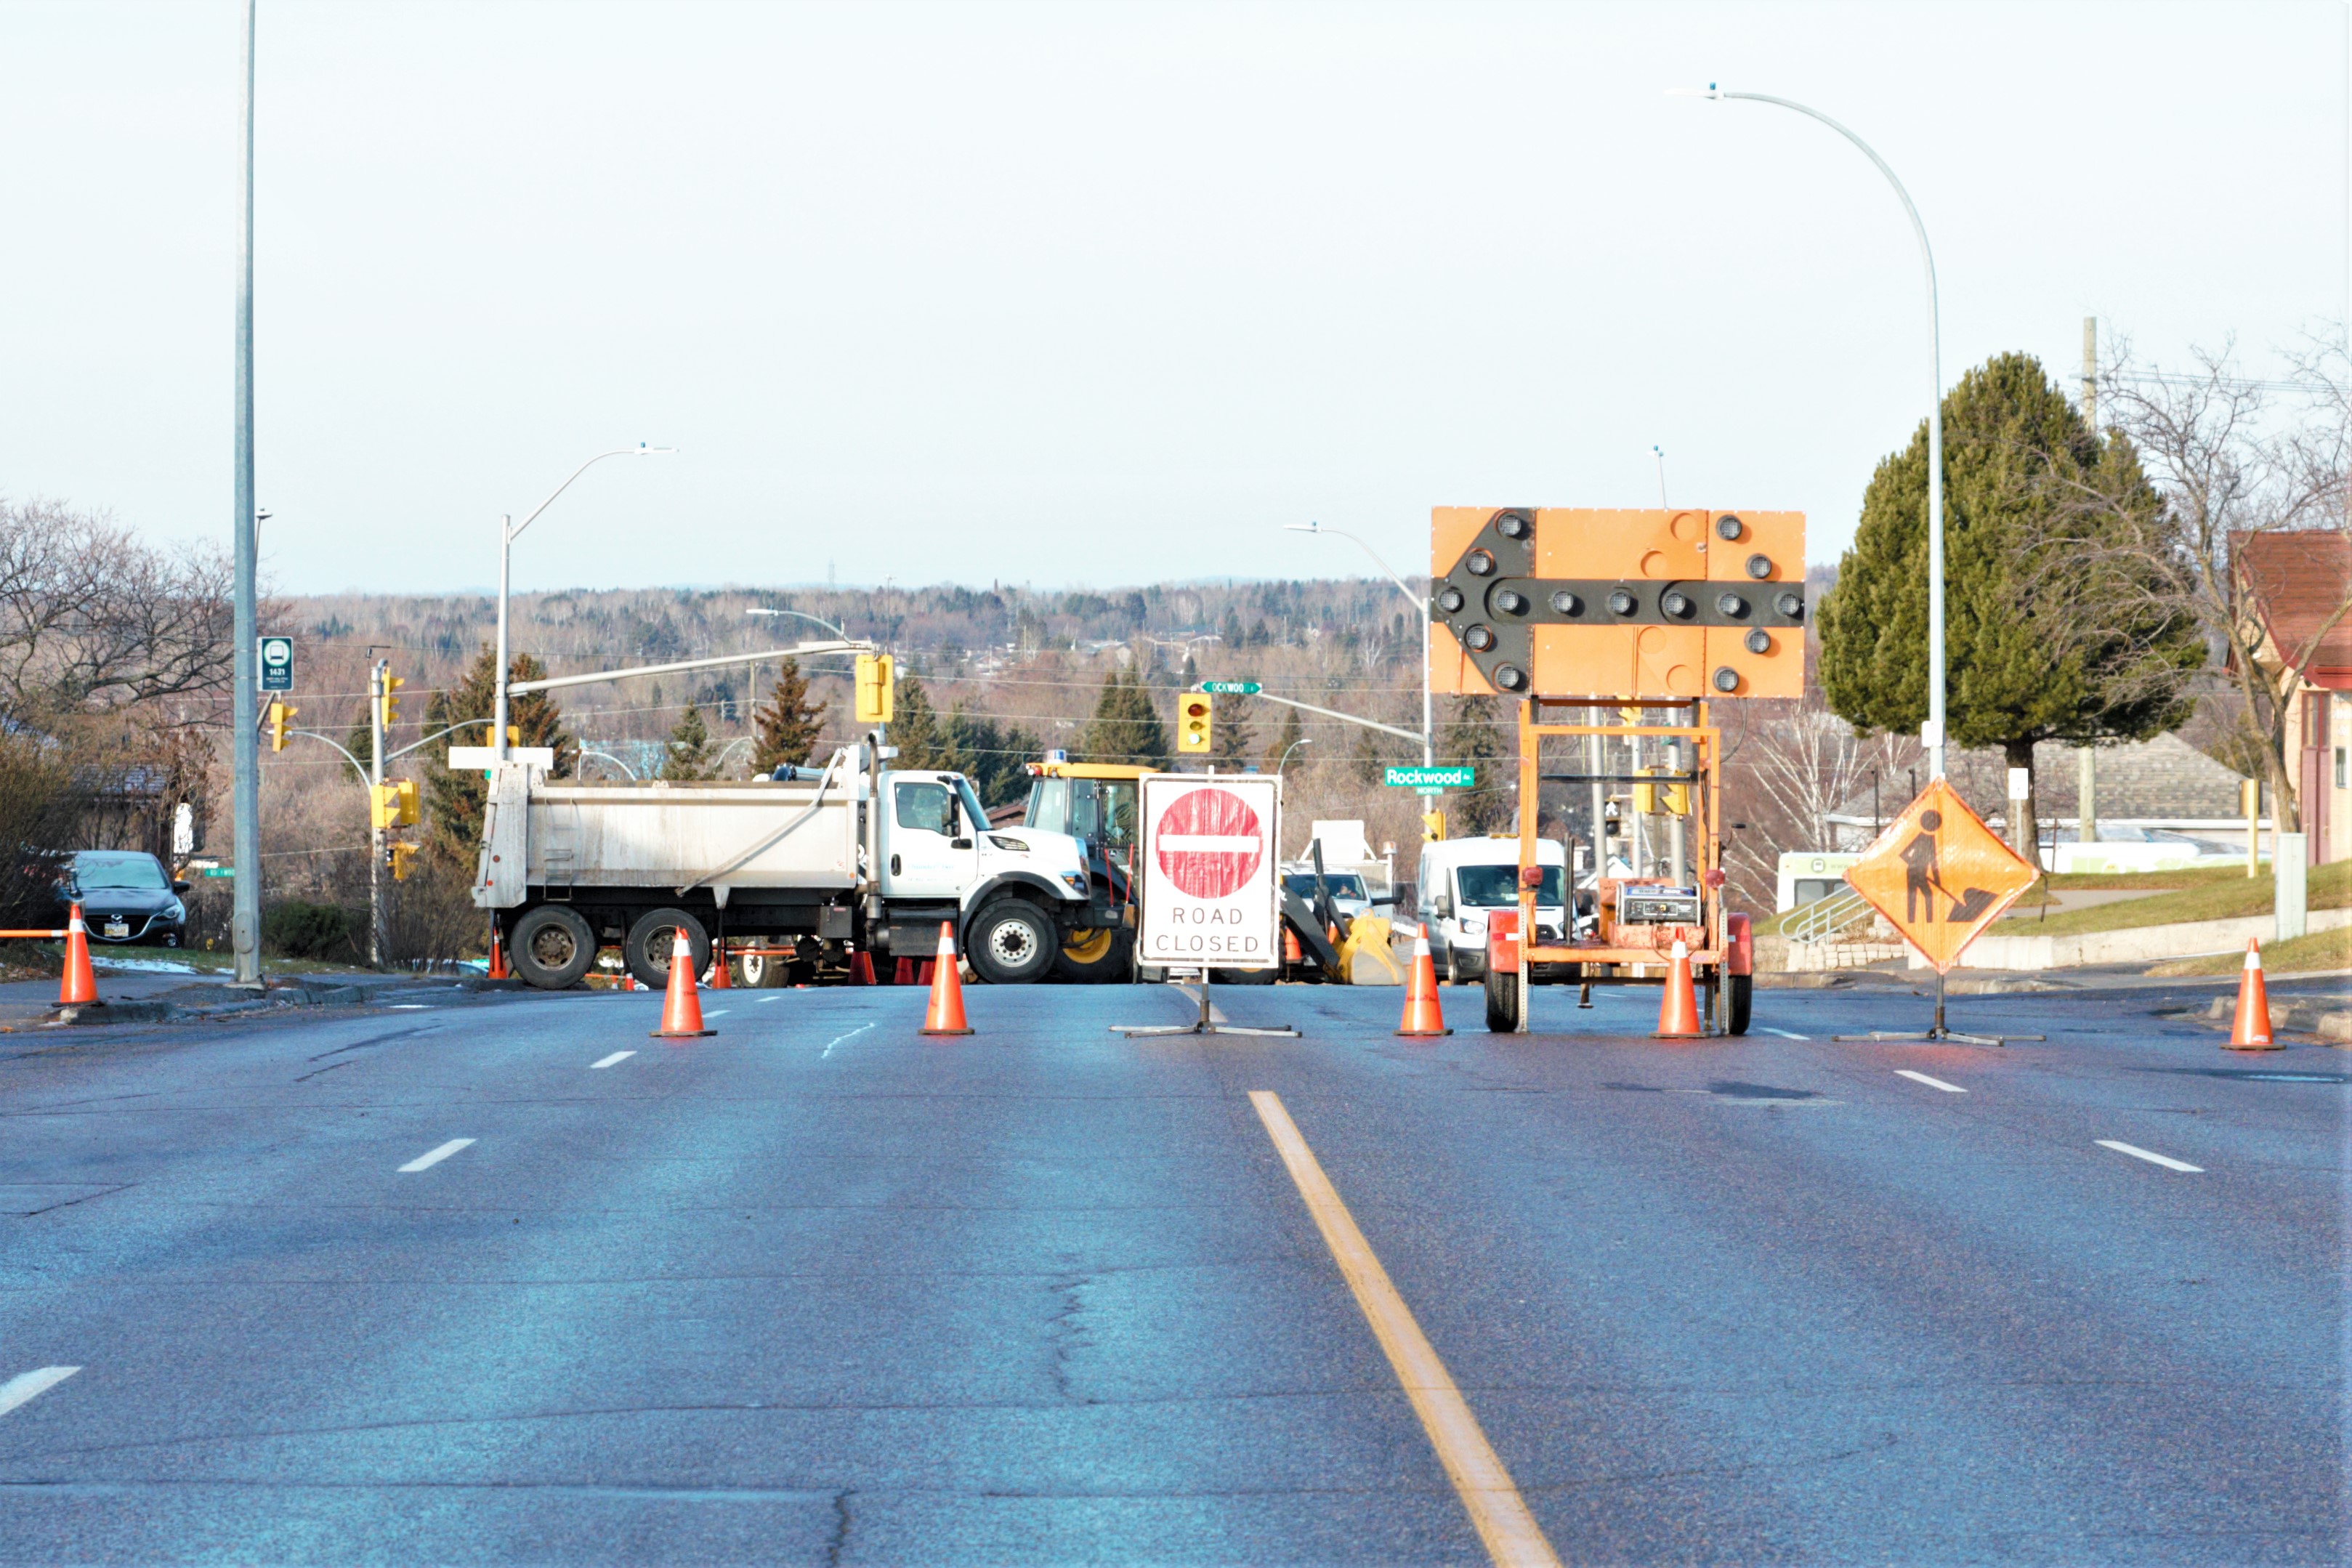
x=2213 y=893
x=2319 y=949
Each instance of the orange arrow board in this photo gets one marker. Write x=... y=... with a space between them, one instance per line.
x=1940 y=875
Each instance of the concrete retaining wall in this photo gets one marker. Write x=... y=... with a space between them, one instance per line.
x=2136 y=945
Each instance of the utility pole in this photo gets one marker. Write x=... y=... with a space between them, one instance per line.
x=375 y=813
x=2091 y=372
x=245 y=919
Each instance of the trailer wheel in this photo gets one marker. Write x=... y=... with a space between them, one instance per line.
x=1502 y=1001
x=1743 y=998
x=646 y=952
x=1011 y=943
x=551 y=947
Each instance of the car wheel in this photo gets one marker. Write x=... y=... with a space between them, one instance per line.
x=1011 y=943
x=646 y=951
x=551 y=947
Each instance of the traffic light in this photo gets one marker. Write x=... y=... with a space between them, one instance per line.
x=514 y=736
x=394 y=805
x=275 y=715
x=1194 y=712
x=399 y=857
x=1655 y=799
x=391 y=698
x=876 y=682
x=1433 y=824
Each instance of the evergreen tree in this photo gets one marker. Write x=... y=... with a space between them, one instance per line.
x=923 y=739
x=1259 y=637
x=1289 y=736
x=1125 y=728
x=2060 y=621
x=1229 y=741
x=361 y=741
x=786 y=729
x=690 y=755
x=1231 y=632
x=1474 y=734
x=992 y=755
x=454 y=800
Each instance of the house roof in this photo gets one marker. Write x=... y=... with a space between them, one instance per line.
x=2298 y=580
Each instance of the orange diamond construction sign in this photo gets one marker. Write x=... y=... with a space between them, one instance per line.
x=1940 y=875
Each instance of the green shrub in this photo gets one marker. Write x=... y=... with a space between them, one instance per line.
x=322 y=932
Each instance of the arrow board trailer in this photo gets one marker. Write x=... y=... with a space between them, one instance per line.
x=793 y=875
x=1209 y=893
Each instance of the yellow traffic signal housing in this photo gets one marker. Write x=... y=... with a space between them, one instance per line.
x=514 y=736
x=876 y=687
x=401 y=858
x=1433 y=824
x=394 y=805
x=1656 y=799
x=390 y=701
x=1564 y=602
x=277 y=714
x=1195 y=713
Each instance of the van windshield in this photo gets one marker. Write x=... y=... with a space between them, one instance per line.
x=1497 y=887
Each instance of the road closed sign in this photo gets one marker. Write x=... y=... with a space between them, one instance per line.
x=1208 y=859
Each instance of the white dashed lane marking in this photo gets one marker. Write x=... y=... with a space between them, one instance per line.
x=608 y=1061
x=435 y=1156
x=1930 y=1082
x=30 y=1385
x=2154 y=1159
x=1786 y=1034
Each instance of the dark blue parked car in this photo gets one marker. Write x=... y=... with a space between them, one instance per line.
x=126 y=897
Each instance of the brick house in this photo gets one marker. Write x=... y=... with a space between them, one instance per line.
x=2298 y=584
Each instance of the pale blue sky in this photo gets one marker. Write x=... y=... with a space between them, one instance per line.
x=1096 y=294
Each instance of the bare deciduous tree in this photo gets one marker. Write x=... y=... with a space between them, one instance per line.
x=92 y=619
x=2237 y=459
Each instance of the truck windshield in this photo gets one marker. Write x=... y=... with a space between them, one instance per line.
x=1101 y=811
x=1497 y=887
x=976 y=814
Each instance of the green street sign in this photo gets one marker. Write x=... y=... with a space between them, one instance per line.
x=1430 y=780
x=1231 y=687
x=220 y=871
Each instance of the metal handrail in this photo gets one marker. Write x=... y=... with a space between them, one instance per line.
x=1826 y=917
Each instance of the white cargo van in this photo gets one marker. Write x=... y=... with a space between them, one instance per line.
x=1463 y=881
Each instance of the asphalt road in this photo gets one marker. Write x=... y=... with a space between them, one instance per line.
x=818 y=1290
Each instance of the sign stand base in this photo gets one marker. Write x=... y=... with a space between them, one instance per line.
x=1205 y=1025
x=1937 y=1033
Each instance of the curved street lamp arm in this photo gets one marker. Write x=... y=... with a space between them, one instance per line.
x=1419 y=601
x=587 y=752
x=313 y=734
x=516 y=531
x=802 y=615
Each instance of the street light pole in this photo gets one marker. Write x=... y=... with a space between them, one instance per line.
x=1283 y=765
x=509 y=531
x=1931 y=734
x=245 y=909
x=1428 y=749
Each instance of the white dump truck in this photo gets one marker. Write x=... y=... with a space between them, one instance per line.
x=804 y=870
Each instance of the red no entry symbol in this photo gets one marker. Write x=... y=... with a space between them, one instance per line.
x=1209 y=842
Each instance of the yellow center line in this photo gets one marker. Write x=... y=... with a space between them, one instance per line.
x=1512 y=1536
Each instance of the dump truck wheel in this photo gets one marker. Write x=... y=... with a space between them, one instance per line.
x=1502 y=1002
x=1011 y=943
x=551 y=947
x=1245 y=976
x=646 y=952
x=1096 y=957
x=1743 y=998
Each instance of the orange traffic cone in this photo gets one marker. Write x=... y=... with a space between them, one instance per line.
x=861 y=969
x=498 y=956
x=2250 y=1029
x=1422 y=1014
x=1678 y=1012
x=945 y=1016
x=681 y=1009
x=903 y=973
x=77 y=987
x=719 y=976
